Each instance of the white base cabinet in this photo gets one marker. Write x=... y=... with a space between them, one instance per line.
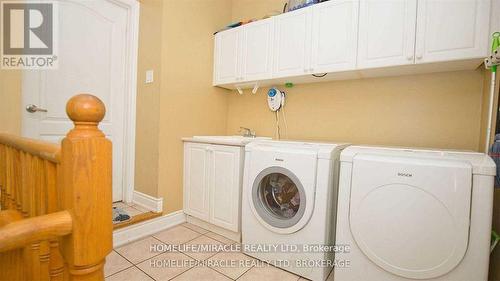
x=212 y=183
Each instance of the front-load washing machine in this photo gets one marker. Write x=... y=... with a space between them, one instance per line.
x=414 y=214
x=289 y=203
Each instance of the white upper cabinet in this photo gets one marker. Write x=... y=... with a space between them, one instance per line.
x=257 y=58
x=386 y=32
x=354 y=38
x=452 y=29
x=292 y=43
x=334 y=36
x=227 y=56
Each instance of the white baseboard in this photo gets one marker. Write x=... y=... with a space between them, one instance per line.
x=149 y=202
x=140 y=230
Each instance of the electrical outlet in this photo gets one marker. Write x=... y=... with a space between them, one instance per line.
x=149 y=76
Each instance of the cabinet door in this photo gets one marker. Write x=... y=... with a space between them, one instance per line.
x=225 y=186
x=292 y=43
x=196 y=178
x=386 y=32
x=452 y=30
x=257 y=58
x=334 y=39
x=227 y=56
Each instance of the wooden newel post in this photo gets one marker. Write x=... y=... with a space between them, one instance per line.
x=86 y=189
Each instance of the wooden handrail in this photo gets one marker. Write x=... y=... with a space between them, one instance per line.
x=24 y=232
x=56 y=203
x=44 y=150
x=86 y=157
x=9 y=216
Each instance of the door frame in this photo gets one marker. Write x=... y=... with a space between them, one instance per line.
x=133 y=10
x=130 y=95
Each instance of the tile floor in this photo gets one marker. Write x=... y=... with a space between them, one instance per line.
x=130 y=208
x=139 y=261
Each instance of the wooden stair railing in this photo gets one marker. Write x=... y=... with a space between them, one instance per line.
x=55 y=201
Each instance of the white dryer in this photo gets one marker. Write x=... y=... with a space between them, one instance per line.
x=414 y=214
x=289 y=203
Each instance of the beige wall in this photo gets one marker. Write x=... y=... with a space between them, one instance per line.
x=243 y=10
x=148 y=97
x=10 y=101
x=189 y=104
x=434 y=110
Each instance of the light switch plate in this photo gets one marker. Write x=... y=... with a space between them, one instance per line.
x=149 y=76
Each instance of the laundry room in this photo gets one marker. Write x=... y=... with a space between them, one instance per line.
x=339 y=140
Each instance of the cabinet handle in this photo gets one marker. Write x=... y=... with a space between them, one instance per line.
x=419 y=57
x=409 y=57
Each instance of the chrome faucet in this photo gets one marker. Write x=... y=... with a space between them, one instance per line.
x=247 y=133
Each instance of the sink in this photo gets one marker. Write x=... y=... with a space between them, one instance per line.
x=229 y=139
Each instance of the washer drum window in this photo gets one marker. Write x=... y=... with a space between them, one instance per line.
x=278 y=197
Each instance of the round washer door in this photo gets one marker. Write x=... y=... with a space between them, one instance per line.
x=411 y=216
x=280 y=201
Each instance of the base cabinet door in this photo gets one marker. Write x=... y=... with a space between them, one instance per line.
x=452 y=30
x=225 y=186
x=196 y=179
x=386 y=33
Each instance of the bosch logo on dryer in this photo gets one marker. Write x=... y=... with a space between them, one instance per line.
x=406 y=175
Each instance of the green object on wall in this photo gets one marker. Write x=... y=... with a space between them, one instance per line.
x=495 y=43
x=495 y=238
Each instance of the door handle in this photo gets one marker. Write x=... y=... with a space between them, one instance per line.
x=31 y=108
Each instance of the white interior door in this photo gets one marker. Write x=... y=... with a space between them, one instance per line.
x=93 y=49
